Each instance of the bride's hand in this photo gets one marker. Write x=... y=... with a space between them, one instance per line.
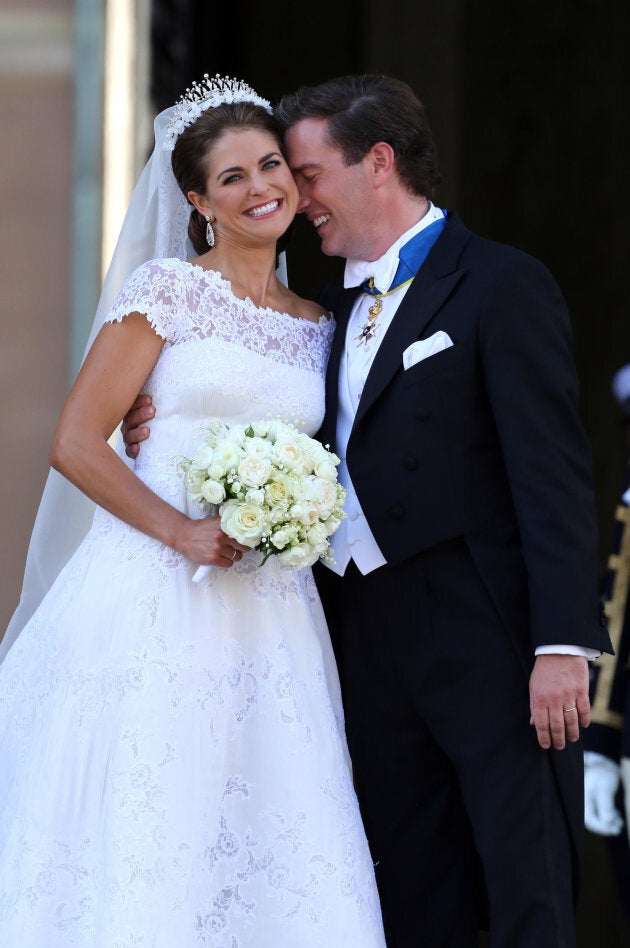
x=204 y=542
x=133 y=428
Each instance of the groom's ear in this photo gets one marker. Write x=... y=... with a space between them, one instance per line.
x=382 y=163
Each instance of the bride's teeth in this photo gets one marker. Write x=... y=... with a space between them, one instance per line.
x=265 y=209
x=318 y=221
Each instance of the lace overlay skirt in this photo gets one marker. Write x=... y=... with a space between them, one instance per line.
x=173 y=766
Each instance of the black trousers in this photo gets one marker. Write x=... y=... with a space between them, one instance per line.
x=460 y=804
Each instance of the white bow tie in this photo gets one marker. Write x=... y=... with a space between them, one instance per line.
x=382 y=271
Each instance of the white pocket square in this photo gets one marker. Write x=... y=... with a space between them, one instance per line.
x=423 y=348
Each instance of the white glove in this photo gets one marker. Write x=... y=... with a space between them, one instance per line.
x=601 y=781
x=625 y=782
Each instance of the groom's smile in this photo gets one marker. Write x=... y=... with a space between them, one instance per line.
x=334 y=196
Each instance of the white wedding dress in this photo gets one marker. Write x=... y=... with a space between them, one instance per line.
x=173 y=765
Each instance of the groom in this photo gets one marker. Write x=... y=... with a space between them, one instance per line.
x=468 y=555
x=465 y=599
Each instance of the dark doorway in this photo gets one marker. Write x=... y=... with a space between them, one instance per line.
x=528 y=103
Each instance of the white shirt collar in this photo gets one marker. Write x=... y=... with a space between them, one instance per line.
x=384 y=269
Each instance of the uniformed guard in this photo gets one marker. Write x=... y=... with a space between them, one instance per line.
x=607 y=740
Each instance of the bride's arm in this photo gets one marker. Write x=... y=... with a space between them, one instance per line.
x=114 y=370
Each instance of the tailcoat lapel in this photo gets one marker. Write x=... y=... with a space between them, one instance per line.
x=434 y=282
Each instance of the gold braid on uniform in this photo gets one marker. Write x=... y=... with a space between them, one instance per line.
x=615 y=608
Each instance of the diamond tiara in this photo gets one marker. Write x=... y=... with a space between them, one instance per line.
x=207 y=94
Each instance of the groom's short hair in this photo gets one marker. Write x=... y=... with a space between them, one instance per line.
x=364 y=110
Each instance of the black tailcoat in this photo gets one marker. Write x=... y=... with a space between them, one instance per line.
x=482 y=444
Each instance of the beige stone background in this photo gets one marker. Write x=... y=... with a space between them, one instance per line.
x=75 y=121
x=36 y=116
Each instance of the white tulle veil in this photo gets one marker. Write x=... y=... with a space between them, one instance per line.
x=155 y=225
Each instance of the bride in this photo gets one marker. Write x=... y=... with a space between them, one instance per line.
x=173 y=765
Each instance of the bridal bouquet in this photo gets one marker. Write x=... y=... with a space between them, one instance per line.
x=276 y=489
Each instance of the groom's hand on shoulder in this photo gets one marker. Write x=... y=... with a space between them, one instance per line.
x=134 y=428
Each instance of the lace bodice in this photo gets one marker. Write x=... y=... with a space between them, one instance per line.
x=183 y=302
x=223 y=357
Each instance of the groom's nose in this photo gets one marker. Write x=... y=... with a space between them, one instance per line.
x=303 y=199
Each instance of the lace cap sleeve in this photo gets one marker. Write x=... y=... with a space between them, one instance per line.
x=154 y=290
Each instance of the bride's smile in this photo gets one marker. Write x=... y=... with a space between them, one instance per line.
x=262 y=210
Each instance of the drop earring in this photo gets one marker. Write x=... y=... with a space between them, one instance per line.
x=209 y=232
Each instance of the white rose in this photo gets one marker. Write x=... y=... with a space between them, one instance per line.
x=309 y=458
x=227 y=455
x=278 y=514
x=321 y=492
x=306 y=446
x=257 y=447
x=243 y=522
x=260 y=428
x=236 y=434
x=255 y=495
x=279 y=430
x=332 y=524
x=216 y=470
x=305 y=512
x=213 y=491
x=289 y=454
x=291 y=531
x=254 y=471
x=326 y=469
x=317 y=535
x=280 y=538
x=204 y=456
x=277 y=492
x=298 y=556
